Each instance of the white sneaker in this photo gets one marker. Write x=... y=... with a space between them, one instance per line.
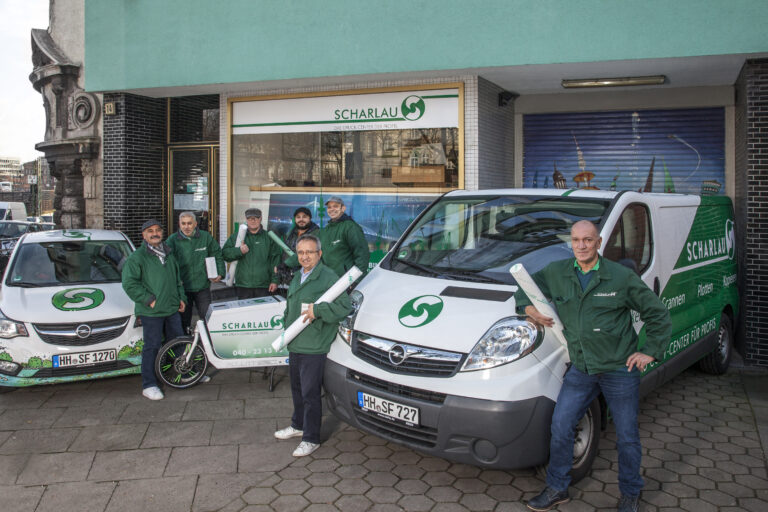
x=153 y=393
x=288 y=432
x=204 y=379
x=305 y=449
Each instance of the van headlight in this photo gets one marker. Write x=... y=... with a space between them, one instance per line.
x=11 y=328
x=508 y=340
x=346 y=325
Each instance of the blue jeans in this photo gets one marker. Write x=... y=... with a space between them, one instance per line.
x=621 y=393
x=306 y=384
x=154 y=328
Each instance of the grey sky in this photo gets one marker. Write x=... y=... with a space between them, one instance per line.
x=22 y=118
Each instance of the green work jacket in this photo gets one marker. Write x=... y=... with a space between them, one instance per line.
x=597 y=322
x=191 y=252
x=145 y=279
x=256 y=268
x=317 y=337
x=344 y=245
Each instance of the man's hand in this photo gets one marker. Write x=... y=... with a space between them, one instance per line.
x=214 y=279
x=639 y=360
x=308 y=314
x=538 y=317
x=272 y=287
x=152 y=304
x=182 y=306
x=244 y=248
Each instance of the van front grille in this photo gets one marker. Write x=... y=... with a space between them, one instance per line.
x=421 y=436
x=397 y=389
x=72 y=334
x=404 y=358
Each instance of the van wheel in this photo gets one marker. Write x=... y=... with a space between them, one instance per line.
x=585 y=442
x=717 y=361
x=173 y=368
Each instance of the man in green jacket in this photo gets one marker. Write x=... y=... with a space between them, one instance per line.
x=152 y=280
x=257 y=259
x=308 y=351
x=594 y=298
x=343 y=240
x=191 y=246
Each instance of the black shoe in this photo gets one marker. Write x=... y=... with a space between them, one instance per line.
x=629 y=503
x=548 y=499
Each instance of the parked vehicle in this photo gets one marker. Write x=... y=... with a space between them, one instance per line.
x=10 y=232
x=63 y=313
x=436 y=358
x=13 y=210
x=6 y=186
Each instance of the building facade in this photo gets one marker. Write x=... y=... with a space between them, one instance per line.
x=282 y=104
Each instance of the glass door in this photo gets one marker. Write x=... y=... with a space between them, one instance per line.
x=192 y=186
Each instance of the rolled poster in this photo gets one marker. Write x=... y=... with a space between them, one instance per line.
x=210 y=267
x=538 y=300
x=279 y=242
x=238 y=242
x=330 y=295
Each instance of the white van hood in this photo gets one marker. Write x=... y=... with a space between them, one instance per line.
x=77 y=303
x=458 y=326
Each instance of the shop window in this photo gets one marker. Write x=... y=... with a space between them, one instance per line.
x=630 y=242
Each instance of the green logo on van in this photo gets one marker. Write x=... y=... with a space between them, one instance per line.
x=413 y=108
x=78 y=299
x=77 y=234
x=420 y=311
x=730 y=238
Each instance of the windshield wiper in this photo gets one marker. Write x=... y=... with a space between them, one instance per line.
x=473 y=276
x=419 y=266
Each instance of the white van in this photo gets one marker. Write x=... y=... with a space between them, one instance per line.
x=13 y=210
x=63 y=313
x=436 y=358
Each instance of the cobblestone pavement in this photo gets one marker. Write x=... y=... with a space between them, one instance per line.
x=100 y=446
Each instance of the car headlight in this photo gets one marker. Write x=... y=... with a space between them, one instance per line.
x=508 y=340
x=346 y=325
x=11 y=328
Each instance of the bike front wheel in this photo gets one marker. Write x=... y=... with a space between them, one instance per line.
x=175 y=368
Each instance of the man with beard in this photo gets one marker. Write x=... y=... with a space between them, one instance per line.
x=302 y=225
x=152 y=280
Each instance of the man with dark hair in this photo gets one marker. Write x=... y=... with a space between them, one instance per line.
x=302 y=225
x=152 y=280
x=308 y=351
x=191 y=246
x=257 y=258
x=594 y=298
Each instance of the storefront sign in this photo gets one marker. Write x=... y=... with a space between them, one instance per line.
x=435 y=108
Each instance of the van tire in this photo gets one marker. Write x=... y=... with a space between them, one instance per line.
x=585 y=444
x=717 y=361
x=171 y=366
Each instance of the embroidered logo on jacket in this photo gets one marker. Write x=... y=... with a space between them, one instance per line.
x=605 y=294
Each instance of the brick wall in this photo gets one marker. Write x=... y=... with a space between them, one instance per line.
x=495 y=135
x=751 y=160
x=134 y=163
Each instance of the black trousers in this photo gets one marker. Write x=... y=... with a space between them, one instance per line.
x=201 y=300
x=306 y=385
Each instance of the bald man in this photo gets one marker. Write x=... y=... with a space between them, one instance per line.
x=594 y=298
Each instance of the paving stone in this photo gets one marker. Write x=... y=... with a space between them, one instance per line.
x=29 y=419
x=39 y=441
x=660 y=498
x=185 y=433
x=716 y=475
x=89 y=496
x=268 y=408
x=289 y=503
x=201 y=460
x=408 y=471
x=292 y=486
x=376 y=452
x=55 y=467
x=348 y=459
x=214 y=490
x=697 y=505
x=17 y=498
x=598 y=499
x=323 y=478
x=32 y=398
x=411 y=486
x=470 y=485
x=478 y=502
x=718 y=498
x=148 y=411
x=10 y=467
x=108 y=413
x=109 y=437
x=464 y=471
x=351 y=471
x=294 y=472
x=213 y=410
x=260 y=496
x=378 y=465
x=381 y=478
x=353 y=504
x=321 y=495
x=352 y=486
x=243 y=431
x=416 y=503
x=170 y=494
x=503 y=493
x=405 y=457
x=197 y=393
x=383 y=495
x=268 y=456
x=129 y=465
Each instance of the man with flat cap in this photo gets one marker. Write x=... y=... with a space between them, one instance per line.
x=344 y=244
x=257 y=258
x=152 y=280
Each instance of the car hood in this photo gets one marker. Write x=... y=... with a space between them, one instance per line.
x=437 y=313
x=63 y=304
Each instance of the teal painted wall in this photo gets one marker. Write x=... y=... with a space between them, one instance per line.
x=161 y=43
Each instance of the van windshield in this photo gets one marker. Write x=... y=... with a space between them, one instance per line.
x=480 y=238
x=70 y=262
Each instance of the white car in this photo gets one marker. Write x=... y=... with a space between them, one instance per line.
x=63 y=313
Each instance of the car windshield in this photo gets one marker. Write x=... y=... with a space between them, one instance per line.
x=480 y=238
x=55 y=263
x=12 y=230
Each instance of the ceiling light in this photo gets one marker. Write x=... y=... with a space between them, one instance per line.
x=614 y=82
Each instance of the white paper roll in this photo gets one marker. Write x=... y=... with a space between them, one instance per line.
x=538 y=300
x=330 y=295
x=233 y=266
x=210 y=267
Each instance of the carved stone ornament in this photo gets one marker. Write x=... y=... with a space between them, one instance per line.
x=83 y=108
